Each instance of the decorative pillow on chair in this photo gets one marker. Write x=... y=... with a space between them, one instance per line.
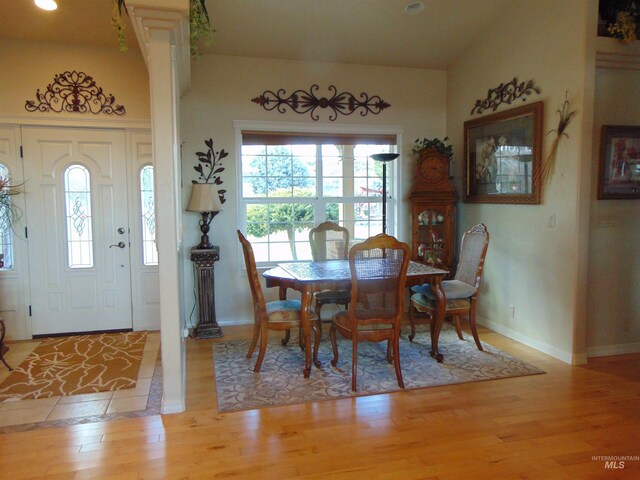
x=453 y=289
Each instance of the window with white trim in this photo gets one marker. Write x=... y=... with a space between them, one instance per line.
x=77 y=193
x=292 y=182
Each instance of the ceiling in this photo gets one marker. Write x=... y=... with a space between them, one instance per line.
x=369 y=32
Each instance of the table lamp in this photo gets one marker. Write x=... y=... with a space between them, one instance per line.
x=205 y=199
x=384 y=158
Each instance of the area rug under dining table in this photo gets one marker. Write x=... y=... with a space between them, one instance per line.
x=280 y=380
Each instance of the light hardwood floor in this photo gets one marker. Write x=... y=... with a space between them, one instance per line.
x=538 y=427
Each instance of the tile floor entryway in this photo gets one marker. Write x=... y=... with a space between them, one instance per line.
x=142 y=400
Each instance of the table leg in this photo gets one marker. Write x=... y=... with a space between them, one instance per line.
x=306 y=329
x=438 y=320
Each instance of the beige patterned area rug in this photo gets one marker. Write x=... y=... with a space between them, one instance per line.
x=77 y=364
x=280 y=381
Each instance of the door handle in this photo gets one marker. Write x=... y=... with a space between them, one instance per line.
x=119 y=245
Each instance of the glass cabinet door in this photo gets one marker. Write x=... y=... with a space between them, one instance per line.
x=431 y=236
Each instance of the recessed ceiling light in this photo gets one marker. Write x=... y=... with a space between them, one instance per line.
x=46 y=4
x=414 y=8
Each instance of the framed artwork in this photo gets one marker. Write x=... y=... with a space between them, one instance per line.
x=619 y=170
x=502 y=156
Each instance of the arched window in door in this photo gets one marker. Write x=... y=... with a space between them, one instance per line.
x=148 y=218
x=7 y=210
x=77 y=194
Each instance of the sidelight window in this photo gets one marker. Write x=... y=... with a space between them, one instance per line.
x=147 y=204
x=7 y=209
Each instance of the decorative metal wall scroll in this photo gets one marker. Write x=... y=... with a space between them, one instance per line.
x=505 y=93
x=302 y=102
x=74 y=92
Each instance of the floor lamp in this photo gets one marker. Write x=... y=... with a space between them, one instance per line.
x=384 y=158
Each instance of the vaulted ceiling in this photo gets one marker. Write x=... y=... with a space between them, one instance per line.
x=370 y=32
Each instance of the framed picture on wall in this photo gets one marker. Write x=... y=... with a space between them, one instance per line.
x=619 y=169
x=502 y=156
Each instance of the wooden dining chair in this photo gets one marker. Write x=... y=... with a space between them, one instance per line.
x=3 y=347
x=277 y=315
x=461 y=292
x=329 y=241
x=378 y=274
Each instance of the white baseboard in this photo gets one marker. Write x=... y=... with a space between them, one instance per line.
x=234 y=321
x=555 y=352
x=607 y=350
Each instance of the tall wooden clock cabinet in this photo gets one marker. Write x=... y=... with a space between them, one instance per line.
x=433 y=211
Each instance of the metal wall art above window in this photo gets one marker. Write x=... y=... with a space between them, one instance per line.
x=505 y=93
x=74 y=92
x=301 y=101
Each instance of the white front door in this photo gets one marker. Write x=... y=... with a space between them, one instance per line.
x=78 y=229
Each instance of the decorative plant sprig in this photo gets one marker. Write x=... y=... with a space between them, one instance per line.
x=436 y=143
x=549 y=162
x=209 y=167
x=199 y=25
x=9 y=211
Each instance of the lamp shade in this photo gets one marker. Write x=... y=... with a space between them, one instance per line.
x=384 y=157
x=204 y=198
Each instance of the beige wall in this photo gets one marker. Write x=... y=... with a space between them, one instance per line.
x=614 y=260
x=530 y=266
x=221 y=92
x=29 y=66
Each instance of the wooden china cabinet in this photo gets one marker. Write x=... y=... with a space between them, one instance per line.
x=433 y=211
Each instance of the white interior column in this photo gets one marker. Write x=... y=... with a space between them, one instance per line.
x=161 y=35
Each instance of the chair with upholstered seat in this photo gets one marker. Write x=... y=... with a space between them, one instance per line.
x=329 y=241
x=378 y=275
x=461 y=292
x=277 y=315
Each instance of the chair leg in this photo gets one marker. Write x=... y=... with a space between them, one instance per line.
x=474 y=328
x=334 y=344
x=412 y=322
x=354 y=361
x=264 y=337
x=254 y=339
x=396 y=359
x=317 y=331
x=5 y=362
x=389 y=351
x=285 y=339
x=456 y=322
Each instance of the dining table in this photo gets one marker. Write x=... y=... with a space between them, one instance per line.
x=308 y=277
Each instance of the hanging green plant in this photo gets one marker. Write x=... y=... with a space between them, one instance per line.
x=200 y=30
x=118 y=23
x=437 y=144
x=199 y=26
